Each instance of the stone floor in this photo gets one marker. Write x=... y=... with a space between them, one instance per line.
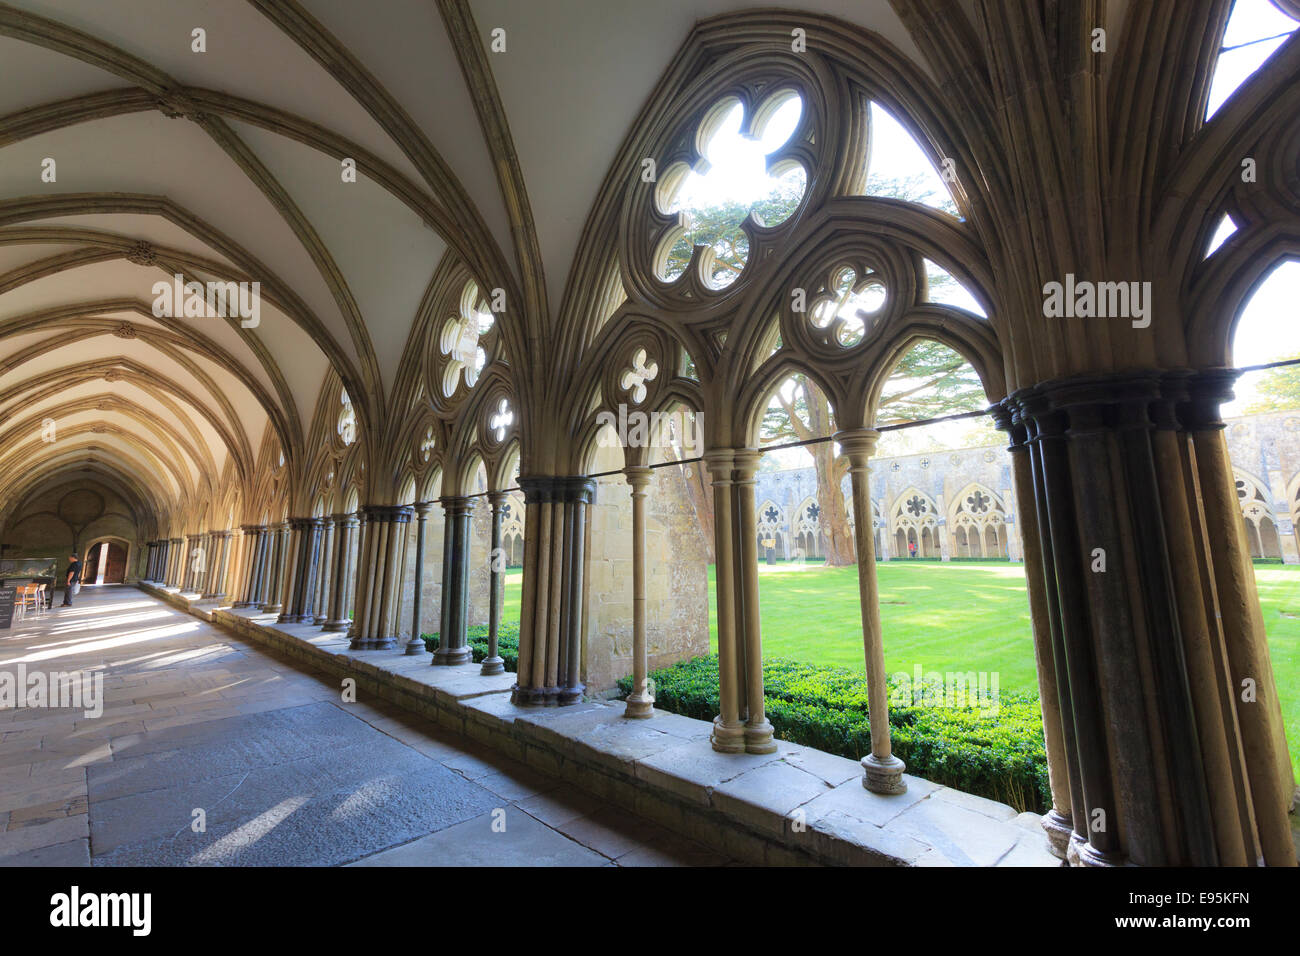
x=283 y=770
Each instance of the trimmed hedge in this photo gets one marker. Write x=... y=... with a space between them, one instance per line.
x=1000 y=756
x=507 y=643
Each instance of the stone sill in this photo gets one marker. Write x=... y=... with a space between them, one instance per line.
x=795 y=806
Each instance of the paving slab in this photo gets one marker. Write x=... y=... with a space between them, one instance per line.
x=511 y=839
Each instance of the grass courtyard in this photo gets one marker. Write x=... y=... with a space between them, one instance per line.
x=963 y=616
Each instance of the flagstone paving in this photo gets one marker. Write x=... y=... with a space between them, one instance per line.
x=210 y=751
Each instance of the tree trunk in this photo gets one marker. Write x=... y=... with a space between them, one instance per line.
x=830 y=472
x=701 y=493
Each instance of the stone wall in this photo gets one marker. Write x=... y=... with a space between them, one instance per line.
x=677 y=600
x=69 y=517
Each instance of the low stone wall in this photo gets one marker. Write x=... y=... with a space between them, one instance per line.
x=796 y=806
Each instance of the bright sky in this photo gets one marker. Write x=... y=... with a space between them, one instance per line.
x=1269 y=328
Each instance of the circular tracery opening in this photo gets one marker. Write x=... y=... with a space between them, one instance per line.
x=736 y=178
x=850 y=307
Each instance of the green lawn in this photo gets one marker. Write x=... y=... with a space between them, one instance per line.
x=964 y=617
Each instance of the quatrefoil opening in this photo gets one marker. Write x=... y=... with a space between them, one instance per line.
x=633 y=380
x=460 y=340
x=501 y=419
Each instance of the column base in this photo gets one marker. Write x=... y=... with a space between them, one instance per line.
x=639 y=706
x=526 y=696
x=274 y=609
x=1059 y=828
x=287 y=618
x=727 y=739
x=883 y=776
x=213 y=597
x=1083 y=853
x=372 y=644
x=758 y=738
x=416 y=646
x=570 y=695
x=337 y=626
x=492 y=665
x=447 y=656
x=318 y=620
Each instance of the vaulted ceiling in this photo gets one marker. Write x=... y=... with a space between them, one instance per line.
x=226 y=164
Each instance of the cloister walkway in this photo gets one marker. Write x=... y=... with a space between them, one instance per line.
x=210 y=750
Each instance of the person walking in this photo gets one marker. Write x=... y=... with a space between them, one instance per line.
x=73 y=583
x=911 y=548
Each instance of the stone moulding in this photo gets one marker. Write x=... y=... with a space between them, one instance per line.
x=797 y=806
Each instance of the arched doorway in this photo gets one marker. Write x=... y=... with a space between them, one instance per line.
x=105 y=562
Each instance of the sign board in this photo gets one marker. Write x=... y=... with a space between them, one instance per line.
x=7 y=596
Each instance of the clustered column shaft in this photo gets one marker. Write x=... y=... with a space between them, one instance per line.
x=383 y=555
x=345 y=530
x=728 y=730
x=1152 y=626
x=552 y=614
x=216 y=584
x=453 y=627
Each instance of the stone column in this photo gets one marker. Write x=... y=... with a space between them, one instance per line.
x=325 y=568
x=1058 y=822
x=728 y=732
x=215 y=588
x=453 y=647
x=178 y=564
x=345 y=530
x=640 y=703
x=310 y=585
x=493 y=664
x=277 y=567
x=292 y=571
x=256 y=537
x=416 y=644
x=551 y=621
x=1264 y=784
x=149 y=556
x=1154 y=624
x=758 y=730
x=376 y=624
x=187 y=564
x=882 y=771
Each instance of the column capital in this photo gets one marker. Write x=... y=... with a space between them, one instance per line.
x=497 y=498
x=456 y=505
x=638 y=476
x=858 y=444
x=422 y=509
x=746 y=460
x=400 y=514
x=540 y=488
x=720 y=462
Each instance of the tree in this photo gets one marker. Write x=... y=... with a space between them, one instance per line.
x=1276 y=389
